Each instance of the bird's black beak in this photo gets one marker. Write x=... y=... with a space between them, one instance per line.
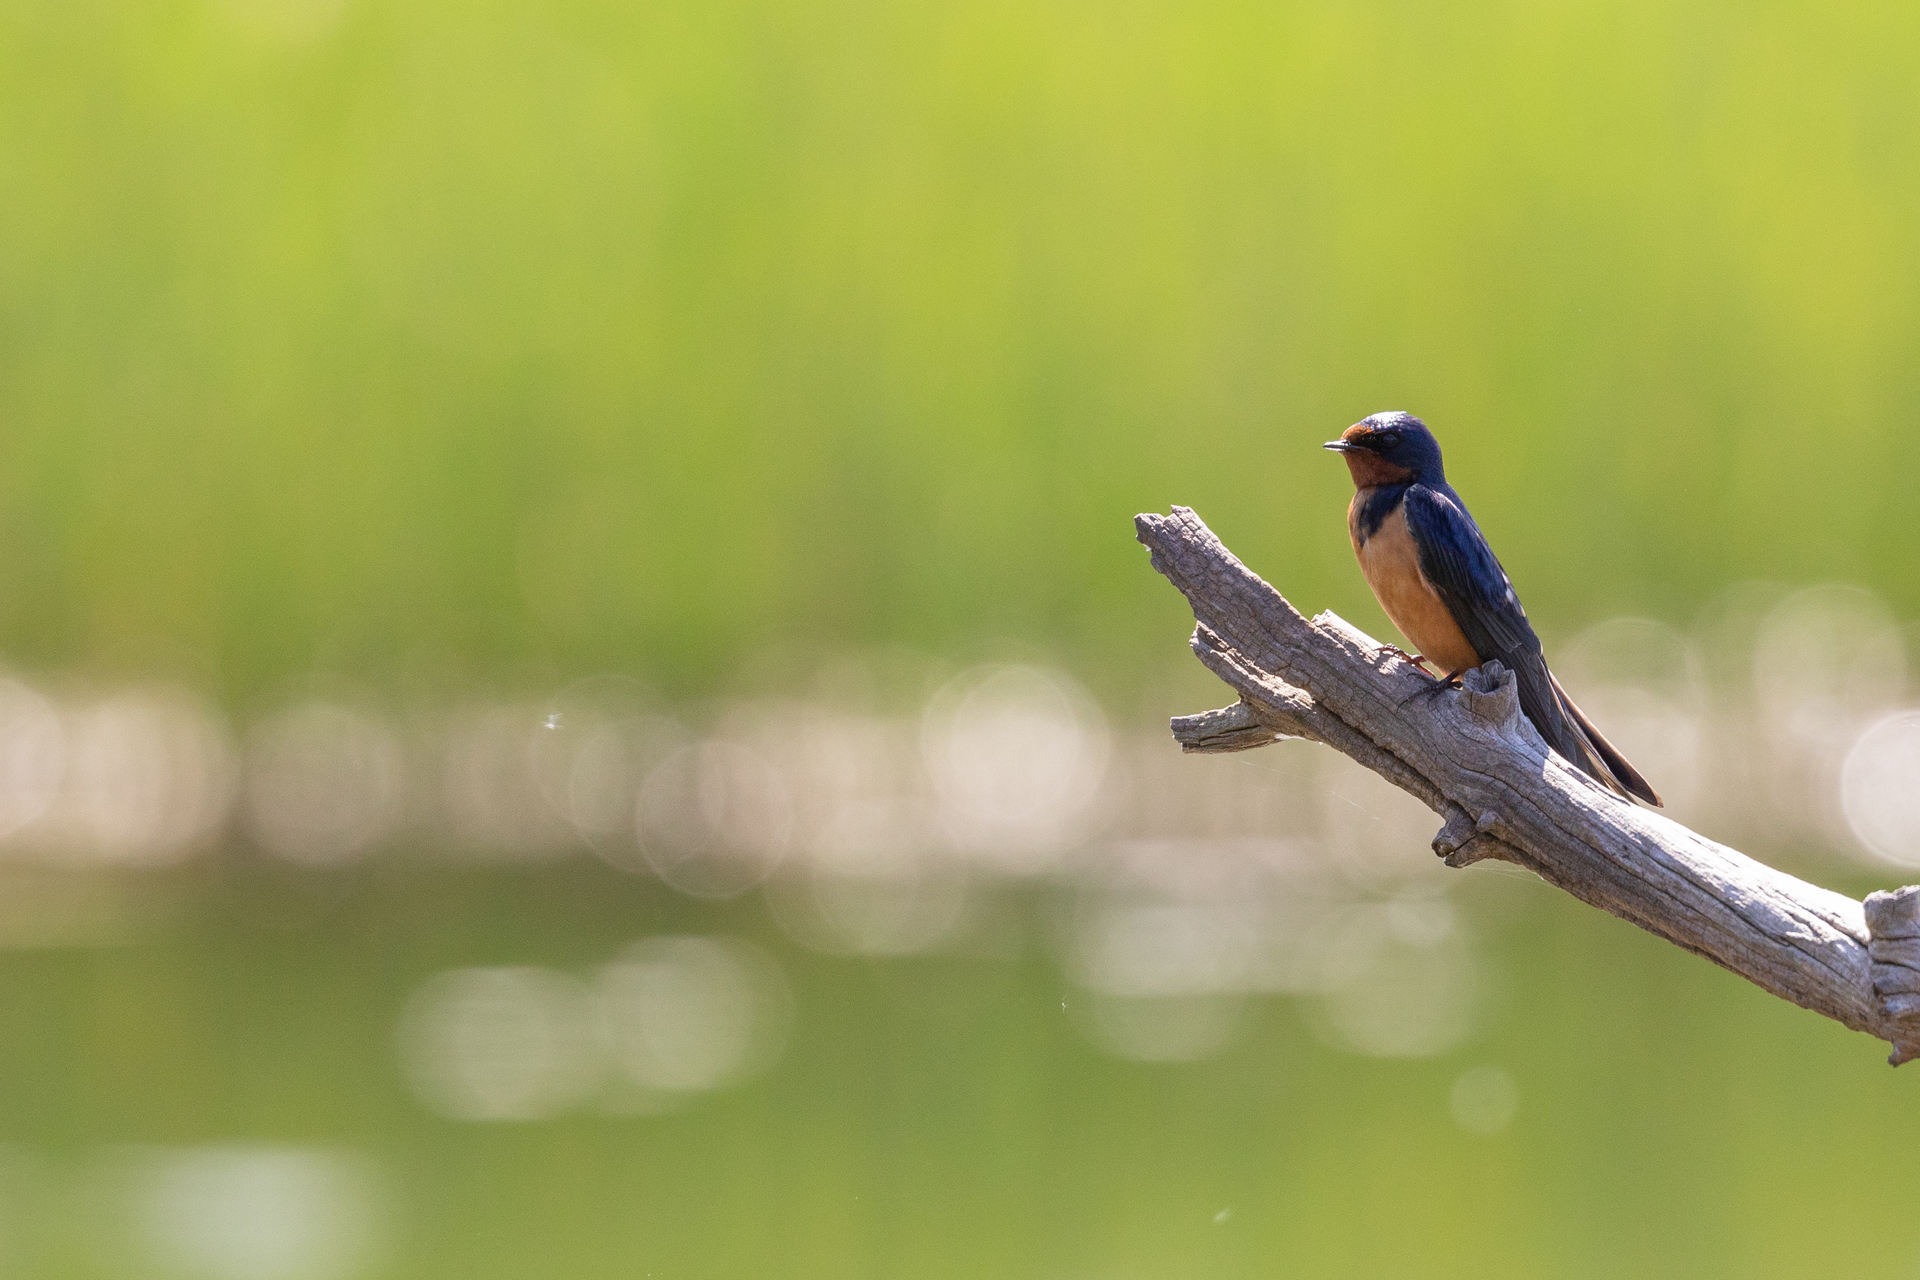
x=1339 y=446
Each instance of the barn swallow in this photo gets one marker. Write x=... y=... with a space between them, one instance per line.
x=1433 y=572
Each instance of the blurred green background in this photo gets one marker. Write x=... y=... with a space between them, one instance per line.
x=484 y=347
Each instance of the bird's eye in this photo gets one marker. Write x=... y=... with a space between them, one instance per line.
x=1389 y=439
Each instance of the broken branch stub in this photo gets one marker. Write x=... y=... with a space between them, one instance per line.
x=1472 y=757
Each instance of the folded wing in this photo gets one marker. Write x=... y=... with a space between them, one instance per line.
x=1456 y=559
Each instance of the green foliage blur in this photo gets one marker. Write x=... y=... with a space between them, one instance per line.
x=515 y=343
x=586 y=336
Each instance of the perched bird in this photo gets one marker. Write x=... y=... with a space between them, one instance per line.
x=1433 y=572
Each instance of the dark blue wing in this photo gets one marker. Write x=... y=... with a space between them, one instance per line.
x=1463 y=569
x=1456 y=559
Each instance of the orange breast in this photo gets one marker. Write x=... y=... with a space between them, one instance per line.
x=1391 y=562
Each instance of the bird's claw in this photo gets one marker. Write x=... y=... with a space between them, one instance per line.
x=1451 y=680
x=1412 y=659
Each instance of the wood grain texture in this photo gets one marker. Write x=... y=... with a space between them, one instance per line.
x=1470 y=756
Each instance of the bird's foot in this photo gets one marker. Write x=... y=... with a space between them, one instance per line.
x=1451 y=680
x=1413 y=659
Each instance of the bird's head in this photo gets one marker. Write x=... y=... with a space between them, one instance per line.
x=1389 y=448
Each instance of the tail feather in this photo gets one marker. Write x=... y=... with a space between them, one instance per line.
x=1568 y=731
x=1614 y=768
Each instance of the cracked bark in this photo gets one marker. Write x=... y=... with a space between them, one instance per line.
x=1474 y=759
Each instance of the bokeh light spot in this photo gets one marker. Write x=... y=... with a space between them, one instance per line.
x=323 y=783
x=247 y=1212
x=33 y=753
x=1880 y=788
x=1483 y=1100
x=1016 y=755
x=714 y=819
x=686 y=1014
x=499 y=1043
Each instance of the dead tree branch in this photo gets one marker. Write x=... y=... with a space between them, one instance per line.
x=1472 y=758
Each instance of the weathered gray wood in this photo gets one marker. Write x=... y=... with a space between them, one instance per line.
x=1234 y=728
x=1471 y=757
x=1893 y=919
